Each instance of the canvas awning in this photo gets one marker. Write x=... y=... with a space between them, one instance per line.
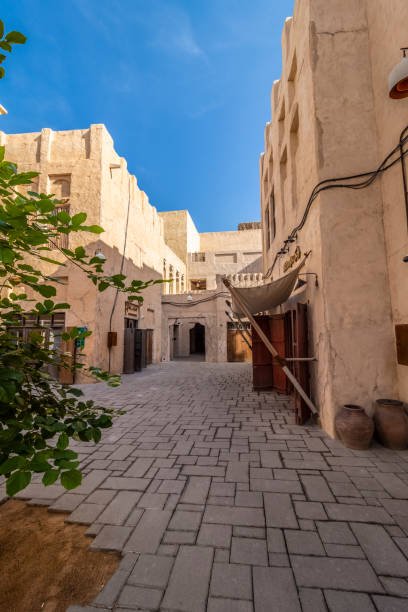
x=265 y=297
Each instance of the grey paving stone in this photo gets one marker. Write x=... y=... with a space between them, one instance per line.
x=119 y=508
x=392 y=484
x=310 y=510
x=101 y=496
x=85 y=514
x=381 y=551
x=276 y=540
x=189 y=580
x=179 y=537
x=196 y=491
x=215 y=535
x=237 y=471
x=317 y=489
x=121 y=452
x=270 y=459
x=202 y=470
x=249 y=532
x=395 y=586
x=341 y=601
x=363 y=514
x=91 y=482
x=111 y=537
x=390 y=604
x=151 y=571
x=335 y=573
x=335 y=532
x=228 y=605
x=249 y=499
x=344 y=550
x=234 y=516
x=229 y=580
x=279 y=511
x=276 y=486
x=303 y=542
x=153 y=500
x=185 y=521
x=149 y=531
x=126 y=484
x=139 y=468
x=222 y=489
x=137 y=598
x=275 y=586
x=110 y=592
x=67 y=502
x=249 y=551
x=313 y=600
x=396 y=506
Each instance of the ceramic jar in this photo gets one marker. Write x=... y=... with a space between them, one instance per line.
x=354 y=427
x=391 y=423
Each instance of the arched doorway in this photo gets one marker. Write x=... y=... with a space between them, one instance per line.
x=197 y=340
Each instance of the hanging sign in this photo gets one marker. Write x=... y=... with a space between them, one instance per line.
x=292 y=259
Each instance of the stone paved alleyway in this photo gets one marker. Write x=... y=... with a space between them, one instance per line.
x=218 y=502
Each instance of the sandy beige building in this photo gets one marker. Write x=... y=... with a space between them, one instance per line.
x=332 y=117
x=82 y=168
x=195 y=322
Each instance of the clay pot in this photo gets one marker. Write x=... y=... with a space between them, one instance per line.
x=354 y=427
x=391 y=423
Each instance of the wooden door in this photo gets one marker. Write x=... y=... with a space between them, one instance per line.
x=237 y=349
x=301 y=368
x=138 y=350
x=129 y=350
x=278 y=339
x=262 y=372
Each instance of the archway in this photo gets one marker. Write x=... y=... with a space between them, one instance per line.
x=197 y=340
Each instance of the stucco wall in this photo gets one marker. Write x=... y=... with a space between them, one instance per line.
x=326 y=123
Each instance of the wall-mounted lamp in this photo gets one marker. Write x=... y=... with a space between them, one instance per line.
x=405 y=259
x=302 y=282
x=398 y=79
x=99 y=254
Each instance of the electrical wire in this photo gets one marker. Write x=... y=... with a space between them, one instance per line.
x=338 y=183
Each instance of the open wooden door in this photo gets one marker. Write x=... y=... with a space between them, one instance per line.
x=65 y=375
x=278 y=339
x=262 y=371
x=129 y=350
x=301 y=368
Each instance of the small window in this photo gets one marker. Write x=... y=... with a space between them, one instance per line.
x=198 y=285
x=272 y=215
x=197 y=257
x=267 y=228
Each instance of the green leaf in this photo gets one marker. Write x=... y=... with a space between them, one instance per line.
x=17 y=482
x=14 y=463
x=50 y=477
x=71 y=479
x=63 y=441
x=77 y=220
x=16 y=38
x=1 y=28
x=46 y=290
x=94 y=229
x=2 y=151
x=2 y=72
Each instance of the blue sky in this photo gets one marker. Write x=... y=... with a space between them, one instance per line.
x=182 y=85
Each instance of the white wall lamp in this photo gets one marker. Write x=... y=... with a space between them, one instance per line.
x=99 y=254
x=398 y=79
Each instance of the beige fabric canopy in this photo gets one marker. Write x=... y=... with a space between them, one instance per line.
x=266 y=297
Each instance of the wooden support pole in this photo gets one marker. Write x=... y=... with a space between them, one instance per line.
x=270 y=347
